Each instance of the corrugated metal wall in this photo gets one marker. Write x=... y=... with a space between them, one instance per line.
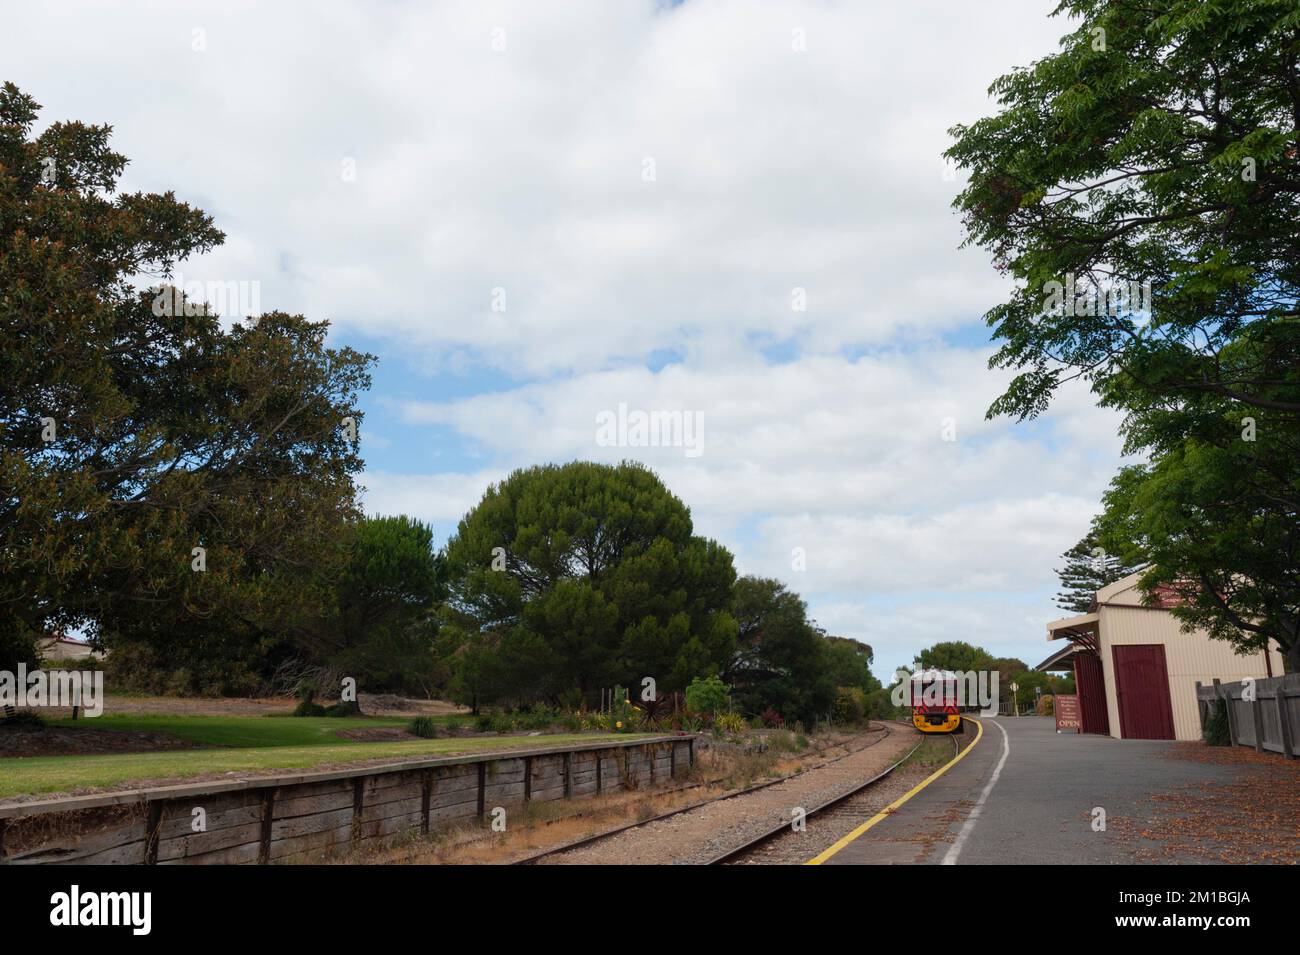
x=1188 y=656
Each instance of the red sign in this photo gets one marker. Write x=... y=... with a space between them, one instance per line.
x=1067 y=713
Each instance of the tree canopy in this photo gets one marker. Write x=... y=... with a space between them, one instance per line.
x=1142 y=188
x=568 y=578
x=782 y=660
x=130 y=435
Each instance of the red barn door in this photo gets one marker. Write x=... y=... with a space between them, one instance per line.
x=1091 y=687
x=1142 y=687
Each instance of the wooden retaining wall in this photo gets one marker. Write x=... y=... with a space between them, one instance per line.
x=290 y=818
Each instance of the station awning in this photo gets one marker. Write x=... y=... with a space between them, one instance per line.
x=1062 y=659
x=1073 y=628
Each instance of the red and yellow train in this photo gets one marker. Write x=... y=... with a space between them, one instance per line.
x=934 y=701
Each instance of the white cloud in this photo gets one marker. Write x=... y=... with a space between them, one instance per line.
x=522 y=170
x=439 y=499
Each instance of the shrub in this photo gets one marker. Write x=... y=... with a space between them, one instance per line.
x=307 y=705
x=1217 y=731
x=483 y=722
x=501 y=723
x=850 y=705
x=24 y=718
x=771 y=718
x=623 y=717
x=781 y=742
x=730 y=724
x=709 y=695
x=423 y=726
x=453 y=727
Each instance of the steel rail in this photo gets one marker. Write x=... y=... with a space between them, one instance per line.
x=607 y=833
x=776 y=831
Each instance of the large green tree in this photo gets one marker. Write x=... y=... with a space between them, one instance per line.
x=387 y=596
x=1159 y=146
x=131 y=434
x=782 y=661
x=594 y=575
x=954 y=655
x=1219 y=560
x=1158 y=150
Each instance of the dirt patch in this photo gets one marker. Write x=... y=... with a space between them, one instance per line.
x=70 y=741
x=371 y=705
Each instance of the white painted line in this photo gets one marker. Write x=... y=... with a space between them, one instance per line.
x=951 y=857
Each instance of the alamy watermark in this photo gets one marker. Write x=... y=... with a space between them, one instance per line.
x=1079 y=299
x=651 y=429
x=935 y=688
x=235 y=299
x=80 y=688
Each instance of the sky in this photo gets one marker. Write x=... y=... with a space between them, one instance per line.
x=536 y=213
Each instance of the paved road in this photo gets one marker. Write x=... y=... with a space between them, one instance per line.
x=1026 y=794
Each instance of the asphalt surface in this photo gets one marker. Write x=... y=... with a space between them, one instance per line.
x=1026 y=794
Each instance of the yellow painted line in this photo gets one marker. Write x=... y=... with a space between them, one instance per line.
x=888 y=810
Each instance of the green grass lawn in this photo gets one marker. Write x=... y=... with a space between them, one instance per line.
x=237 y=731
x=238 y=744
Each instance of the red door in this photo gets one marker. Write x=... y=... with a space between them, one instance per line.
x=1091 y=687
x=1142 y=688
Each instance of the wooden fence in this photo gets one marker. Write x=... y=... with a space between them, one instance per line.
x=307 y=815
x=1268 y=721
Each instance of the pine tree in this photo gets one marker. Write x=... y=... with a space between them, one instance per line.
x=1087 y=569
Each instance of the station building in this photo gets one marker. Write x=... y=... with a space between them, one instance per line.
x=1136 y=670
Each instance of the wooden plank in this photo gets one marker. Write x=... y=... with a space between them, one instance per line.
x=246 y=854
x=449 y=813
x=358 y=805
x=373 y=829
x=1284 y=722
x=179 y=818
x=439 y=800
x=303 y=825
x=76 y=847
x=398 y=807
x=1257 y=717
x=201 y=843
x=322 y=841
x=267 y=826
x=341 y=797
x=130 y=854
x=151 y=828
x=426 y=793
x=408 y=791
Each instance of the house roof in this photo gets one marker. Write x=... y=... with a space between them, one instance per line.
x=1108 y=593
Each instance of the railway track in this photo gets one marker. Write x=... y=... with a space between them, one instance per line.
x=781 y=845
x=608 y=833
